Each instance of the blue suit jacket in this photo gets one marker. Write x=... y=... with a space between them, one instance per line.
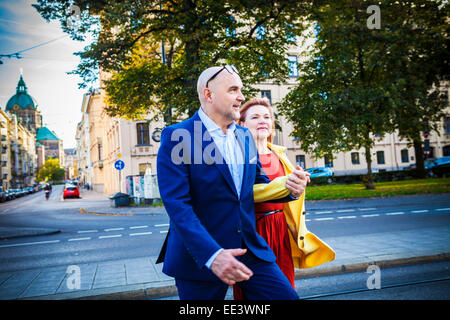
x=200 y=198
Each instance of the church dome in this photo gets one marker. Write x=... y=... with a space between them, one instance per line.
x=21 y=99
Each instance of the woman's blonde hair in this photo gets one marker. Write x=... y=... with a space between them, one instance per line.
x=260 y=102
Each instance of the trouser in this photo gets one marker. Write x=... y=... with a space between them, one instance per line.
x=267 y=283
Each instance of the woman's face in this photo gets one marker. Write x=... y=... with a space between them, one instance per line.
x=259 y=122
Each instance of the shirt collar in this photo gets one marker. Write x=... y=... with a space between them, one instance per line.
x=210 y=125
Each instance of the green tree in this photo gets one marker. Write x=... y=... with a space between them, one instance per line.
x=141 y=75
x=359 y=83
x=50 y=171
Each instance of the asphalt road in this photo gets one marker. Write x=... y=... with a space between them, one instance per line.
x=96 y=238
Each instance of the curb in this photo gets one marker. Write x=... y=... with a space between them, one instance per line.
x=105 y=214
x=140 y=292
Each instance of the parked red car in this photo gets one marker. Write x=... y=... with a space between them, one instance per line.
x=71 y=191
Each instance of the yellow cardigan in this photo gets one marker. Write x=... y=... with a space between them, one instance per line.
x=307 y=249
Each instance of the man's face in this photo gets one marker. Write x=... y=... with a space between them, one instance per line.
x=226 y=96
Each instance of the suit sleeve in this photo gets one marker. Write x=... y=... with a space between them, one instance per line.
x=174 y=187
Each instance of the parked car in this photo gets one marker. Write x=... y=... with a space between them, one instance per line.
x=322 y=173
x=441 y=166
x=2 y=195
x=10 y=195
x=71 y=191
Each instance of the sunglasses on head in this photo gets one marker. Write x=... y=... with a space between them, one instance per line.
x=230 y=69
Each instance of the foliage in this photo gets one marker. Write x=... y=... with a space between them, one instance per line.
x=359 y=82
x=50 y=171
x=139 y=76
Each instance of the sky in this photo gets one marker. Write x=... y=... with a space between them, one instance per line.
x=44 y=68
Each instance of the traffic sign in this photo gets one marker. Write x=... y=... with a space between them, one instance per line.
x=119 y=164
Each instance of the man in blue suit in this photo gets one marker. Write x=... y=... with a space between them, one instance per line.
x=207 y=166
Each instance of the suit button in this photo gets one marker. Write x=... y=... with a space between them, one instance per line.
x=238 y=230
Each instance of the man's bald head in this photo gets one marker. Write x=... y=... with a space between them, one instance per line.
x=203 y=79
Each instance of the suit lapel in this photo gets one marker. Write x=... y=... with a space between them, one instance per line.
x=243 y=141
x=210 y=152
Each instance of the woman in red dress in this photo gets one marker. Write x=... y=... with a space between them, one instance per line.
x=257 y=115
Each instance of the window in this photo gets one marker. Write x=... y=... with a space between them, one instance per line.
x=143 y=134
x=290 y=35
x=447 y=125
x=355 y=157
x=231 y=31
x=267 y=94
x=292 y=64
x=380 y=157
x=300 y=160
x=329 y=161
x=100 y=151
x=405 y=155
x=143 y=168
x=260 y=32
x=446 y=151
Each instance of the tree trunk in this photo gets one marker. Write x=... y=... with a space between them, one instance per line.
x=420 y=163
x=369 y=178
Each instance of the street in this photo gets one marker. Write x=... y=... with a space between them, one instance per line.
x=87 y=238
x=83 y=238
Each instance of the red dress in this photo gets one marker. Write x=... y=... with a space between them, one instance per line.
x=273 y=227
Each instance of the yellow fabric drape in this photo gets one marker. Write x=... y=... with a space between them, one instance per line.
x=306 y=248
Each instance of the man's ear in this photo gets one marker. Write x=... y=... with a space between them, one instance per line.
x=207 y=94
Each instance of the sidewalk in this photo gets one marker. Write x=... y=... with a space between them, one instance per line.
x=142 y=279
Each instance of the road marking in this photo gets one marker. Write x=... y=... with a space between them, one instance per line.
x=28 y=243
x=162 y=225
x=87 y=231
x=394 y=213
x=347 y=217
x=323 y=219
x=79 y=239
x=113 y=229
x=322 y=212
x=367 y=209
x=347 y=210
x=443 y=209
x=112 y=236
x=139 y=227
x=370 y=215
x=419 y=211
x=163 y=231
x=140 y=234
x=308 y=220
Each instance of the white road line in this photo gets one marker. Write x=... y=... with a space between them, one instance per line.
x=322 y=212
x=114 y=229
x=163 y=231
x=323 y=219
x=28 y=243
x=112 y=236
x=347 y=210
x=394 y=213
x=140 y=234
x=419 y=211
x=139 y=227
x=162 y=225
x=347 y=217
x=79 y=239
x=87 y=231
x=367 y=209
x=370 y=215
x=443 y=209
x=307 y=220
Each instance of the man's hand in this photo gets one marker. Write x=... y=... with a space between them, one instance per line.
x=297 y=181
x=228 y=268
